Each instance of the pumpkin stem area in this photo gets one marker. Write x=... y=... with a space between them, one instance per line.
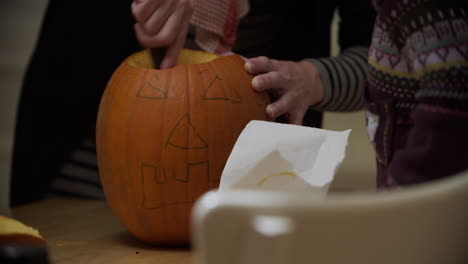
x=144 y=59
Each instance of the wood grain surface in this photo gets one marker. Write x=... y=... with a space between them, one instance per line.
x=86 y=231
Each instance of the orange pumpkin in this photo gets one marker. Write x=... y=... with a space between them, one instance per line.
x=164 y=136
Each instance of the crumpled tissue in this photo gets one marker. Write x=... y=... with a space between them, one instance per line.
x=282 y=157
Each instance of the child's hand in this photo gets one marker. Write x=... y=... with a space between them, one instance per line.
x=163 y=23
x=295 y=85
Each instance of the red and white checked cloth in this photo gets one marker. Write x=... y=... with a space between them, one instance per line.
x=215 y=23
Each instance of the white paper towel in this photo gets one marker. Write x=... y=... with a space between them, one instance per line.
x=282 y=157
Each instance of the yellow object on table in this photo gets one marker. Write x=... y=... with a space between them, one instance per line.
x=11 y=226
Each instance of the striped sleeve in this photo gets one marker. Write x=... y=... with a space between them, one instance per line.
x=343 y=78
x=79 y=175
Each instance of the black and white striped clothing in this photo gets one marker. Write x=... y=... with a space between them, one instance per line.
x=79 y=175
x=343 y=78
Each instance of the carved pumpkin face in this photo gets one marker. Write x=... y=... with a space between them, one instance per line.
x=164 y=136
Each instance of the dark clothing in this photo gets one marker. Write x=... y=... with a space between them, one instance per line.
x=79 y=47
x=294 y=30
x=417 y=90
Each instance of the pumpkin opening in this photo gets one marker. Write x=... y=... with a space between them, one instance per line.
x=144 y=59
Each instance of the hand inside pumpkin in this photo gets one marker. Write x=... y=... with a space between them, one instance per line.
x=163 y=23
x=295 y=85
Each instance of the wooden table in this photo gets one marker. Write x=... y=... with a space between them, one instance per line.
x=84 y=231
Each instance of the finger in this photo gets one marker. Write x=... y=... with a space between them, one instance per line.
x=164 y=38
x=173 y=50
x=258 y=65
x=273 y=111
x=159 y=17
x=283 y=105
x=296 y=116
x=144 y=39
x=269 y=81
x=142 y=10
x=276 y=108
x=171 y=29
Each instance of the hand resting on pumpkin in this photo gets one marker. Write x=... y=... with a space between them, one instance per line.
x=163 y=23
x=295 y=86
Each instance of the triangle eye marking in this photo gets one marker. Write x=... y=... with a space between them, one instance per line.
x=178 y=137
x=151 y=89
x=218 y=90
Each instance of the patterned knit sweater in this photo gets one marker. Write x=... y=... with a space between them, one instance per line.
x=416 y=94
